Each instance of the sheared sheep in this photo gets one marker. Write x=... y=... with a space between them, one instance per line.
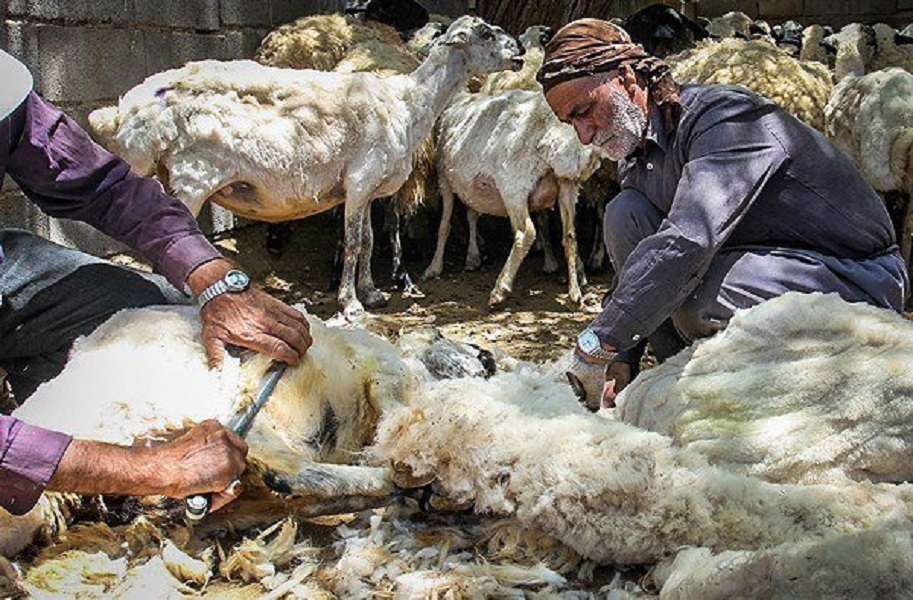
x=533 y=41
x=508 y=155
x=346 y=45
x=612 y=492
x=278 y=144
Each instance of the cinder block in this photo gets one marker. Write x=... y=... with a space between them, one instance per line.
x=22 y=42
x=251 y=40
x=82 y=64
x=871 y=7
x=99 y=11
x=169 y=50
x=76 y=234
x=246 y=13
x=285 y=11
x=780 y=9
x=200 y=15
x=825 y=7
x=453 y=8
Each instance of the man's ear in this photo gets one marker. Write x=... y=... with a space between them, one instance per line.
x=628 y=77
x=631 y=82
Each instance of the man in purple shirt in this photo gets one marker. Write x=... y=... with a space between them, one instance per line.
x=726 y=201
x=49 y=295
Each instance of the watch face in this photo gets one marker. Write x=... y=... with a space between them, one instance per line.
x=588 y=341
x=237 y=280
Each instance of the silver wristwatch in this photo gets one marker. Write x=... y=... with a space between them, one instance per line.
x=231 y=283
x=589 y=343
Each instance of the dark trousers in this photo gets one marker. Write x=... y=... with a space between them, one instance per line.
x=50 y=295
x=741 y=277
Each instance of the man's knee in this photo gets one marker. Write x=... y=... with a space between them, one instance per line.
x=629 y=218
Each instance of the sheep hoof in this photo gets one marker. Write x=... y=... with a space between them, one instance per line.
x=549 y=269
x=353 y=311
x=376 y=299
x=473 y=265
x=496 y=302
x=431 y=274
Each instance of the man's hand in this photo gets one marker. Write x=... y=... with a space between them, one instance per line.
x=205 y=459
x=251 y=319
x=617 y=378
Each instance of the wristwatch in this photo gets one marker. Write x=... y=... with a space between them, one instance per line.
x=231 y=283
x=589 y=343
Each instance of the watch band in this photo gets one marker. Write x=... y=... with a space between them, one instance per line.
x=233 y=281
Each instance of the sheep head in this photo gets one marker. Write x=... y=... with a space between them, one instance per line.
x=487 y=48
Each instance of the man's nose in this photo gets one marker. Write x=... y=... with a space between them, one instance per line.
x=585 y=131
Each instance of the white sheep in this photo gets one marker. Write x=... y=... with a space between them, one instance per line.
x=804 y=388
x=869 y=116
x=533 y=41
x=508 y=155
x=278 y=144
x=348 y=45
x=614 y=493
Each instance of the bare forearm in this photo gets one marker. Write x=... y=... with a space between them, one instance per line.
x=89 y=467
x=204 y=459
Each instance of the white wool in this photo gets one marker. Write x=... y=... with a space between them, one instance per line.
x=145 y=370
x=346 y=45
x=868 y=564
x=277 y=144
x=520 y=444
x=505 y=155
x=855 y=45
x=801 y=88
x=801 y=388
x=80 y=574
x=258 y=558
x=870 y=117
x=730 y=24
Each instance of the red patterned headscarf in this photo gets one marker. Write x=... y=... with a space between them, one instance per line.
x=589 y=46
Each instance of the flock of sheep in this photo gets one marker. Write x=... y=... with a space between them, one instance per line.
x=445 y=112
x=768 y=460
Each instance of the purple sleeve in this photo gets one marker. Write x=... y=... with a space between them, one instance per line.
x=68 y=175
x=28 y=457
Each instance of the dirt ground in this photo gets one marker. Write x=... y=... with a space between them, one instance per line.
x=537 y=323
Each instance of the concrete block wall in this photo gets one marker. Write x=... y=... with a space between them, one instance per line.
x=836 y=13
x=85 y=54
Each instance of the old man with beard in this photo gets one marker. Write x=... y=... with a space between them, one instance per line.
x=726 y=201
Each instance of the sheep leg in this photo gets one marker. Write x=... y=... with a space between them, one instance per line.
x=354 y=226
x=598 y=252
x=906 y=233
x=473 y=256
x=443 y=232
x=324 y=489
x=567 y=200
x=373 y=297
x=393 y=225
x=524 y=236
x=543 y=235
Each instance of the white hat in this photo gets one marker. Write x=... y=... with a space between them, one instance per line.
x=17 y=83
